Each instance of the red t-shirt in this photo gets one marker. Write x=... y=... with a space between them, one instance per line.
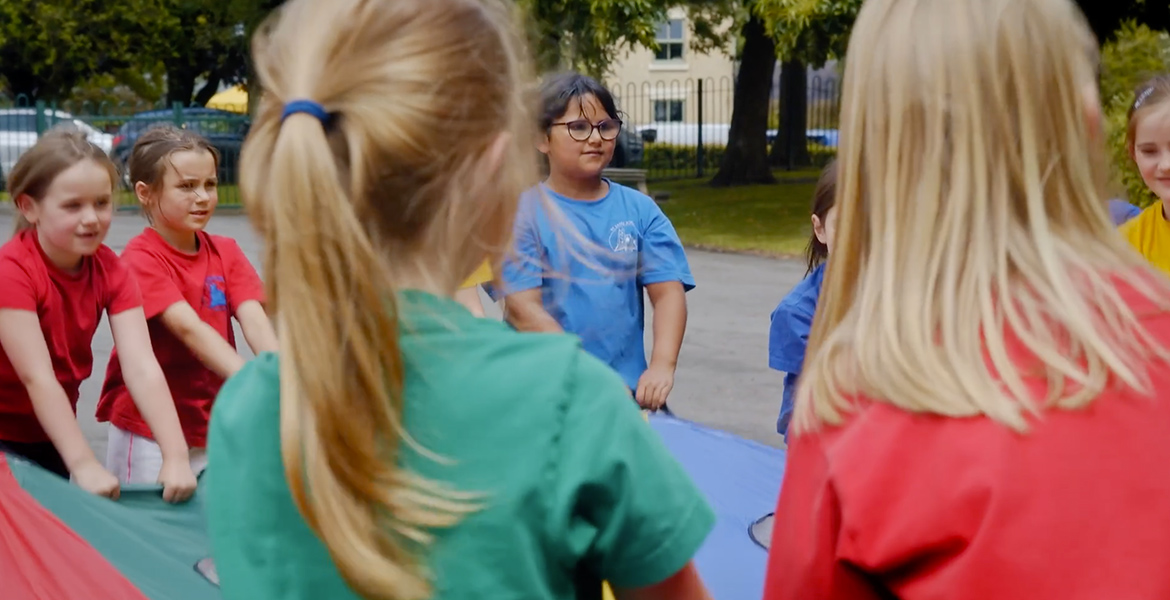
x=69 y=307
x=926 y=506
x=214 y=281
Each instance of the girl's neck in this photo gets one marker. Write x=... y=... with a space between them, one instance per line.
x=62 y=259
x=183 y=241
x=588 y=189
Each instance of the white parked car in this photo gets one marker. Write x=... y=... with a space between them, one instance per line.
x=18 y=133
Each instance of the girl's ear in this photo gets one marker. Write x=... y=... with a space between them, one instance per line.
x=819 y=230
x=542 y=143
x=27 y=207
x=142 y=192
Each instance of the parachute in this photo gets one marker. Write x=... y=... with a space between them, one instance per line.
x=58 y=542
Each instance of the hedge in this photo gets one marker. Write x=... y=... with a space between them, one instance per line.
x=670 y=157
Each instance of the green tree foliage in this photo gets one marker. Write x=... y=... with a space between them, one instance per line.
x=811 y=31
x=821 y=27
x=49 y=46
x=215 y=47
x=586 y=35
x=1134 y=54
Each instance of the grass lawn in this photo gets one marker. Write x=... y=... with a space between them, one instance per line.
x=770 y=220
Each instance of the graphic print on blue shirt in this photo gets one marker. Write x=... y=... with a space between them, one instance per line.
x=214 y=296
x=596 y=292
x=788 y=338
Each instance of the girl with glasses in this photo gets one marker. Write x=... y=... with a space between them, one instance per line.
x=619 y=243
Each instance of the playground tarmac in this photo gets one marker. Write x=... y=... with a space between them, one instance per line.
x=723 y=380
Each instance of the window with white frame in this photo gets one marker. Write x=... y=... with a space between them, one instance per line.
x=670 y=40
x=668 y=111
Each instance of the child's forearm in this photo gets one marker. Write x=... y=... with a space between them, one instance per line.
x=152 y=397
x=257 y=327
x=53 y=412
x=207 y=344
x=212 y=349
x=670 y=323
x=525 y=311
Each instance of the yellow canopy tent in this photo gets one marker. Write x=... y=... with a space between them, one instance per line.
x=233 y=99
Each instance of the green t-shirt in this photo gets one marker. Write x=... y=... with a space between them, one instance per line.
x=579 y=489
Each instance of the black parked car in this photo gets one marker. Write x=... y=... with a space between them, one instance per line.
x=627 y=154
x=225 y=130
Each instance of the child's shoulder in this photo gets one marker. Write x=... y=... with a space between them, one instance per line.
x=226 y=247
x=248 y=400
x=1148 y=218
x=802 y=299
x=633 y=197
x=15 y=248
x=221 y=241
x=17 y=256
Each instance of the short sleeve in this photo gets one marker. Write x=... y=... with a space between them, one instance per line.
x=807 y=526
x=122 y=292
x=663 y=257
x=622 y=506
x=243 y=282
x=523 y=268
x=788 y=338
x=17 y=283
x=153 y=277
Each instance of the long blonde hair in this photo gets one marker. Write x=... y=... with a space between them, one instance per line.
x=972 y=215
x=392 y=183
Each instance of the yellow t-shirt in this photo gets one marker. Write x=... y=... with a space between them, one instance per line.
x=481 y=275
x=1149 y=233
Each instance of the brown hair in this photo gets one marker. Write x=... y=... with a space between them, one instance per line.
x=824 y=198
x=56 y=151
x=1151 y=93
x=390 y=183
x=152 y=152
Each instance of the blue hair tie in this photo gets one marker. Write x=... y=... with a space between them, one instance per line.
x=308 y=107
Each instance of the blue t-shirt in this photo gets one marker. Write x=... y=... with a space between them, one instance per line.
x=594 y=289
x=1122 y=211
x=788 y=338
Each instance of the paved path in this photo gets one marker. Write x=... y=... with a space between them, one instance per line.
x=722 y=381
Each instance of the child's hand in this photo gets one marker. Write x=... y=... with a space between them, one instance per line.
x=654 y=386
x=95 y=479
x=177 y=479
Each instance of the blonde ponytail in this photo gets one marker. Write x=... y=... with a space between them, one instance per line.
x=388 y=184
x=340 y=340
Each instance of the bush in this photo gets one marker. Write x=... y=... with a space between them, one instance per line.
x=1135 y=54
x=670 y=157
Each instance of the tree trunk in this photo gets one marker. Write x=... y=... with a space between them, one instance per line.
x=791 y=148
x=180 y=85
x=23 y=86
x=208 y=91
x=746 y=159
